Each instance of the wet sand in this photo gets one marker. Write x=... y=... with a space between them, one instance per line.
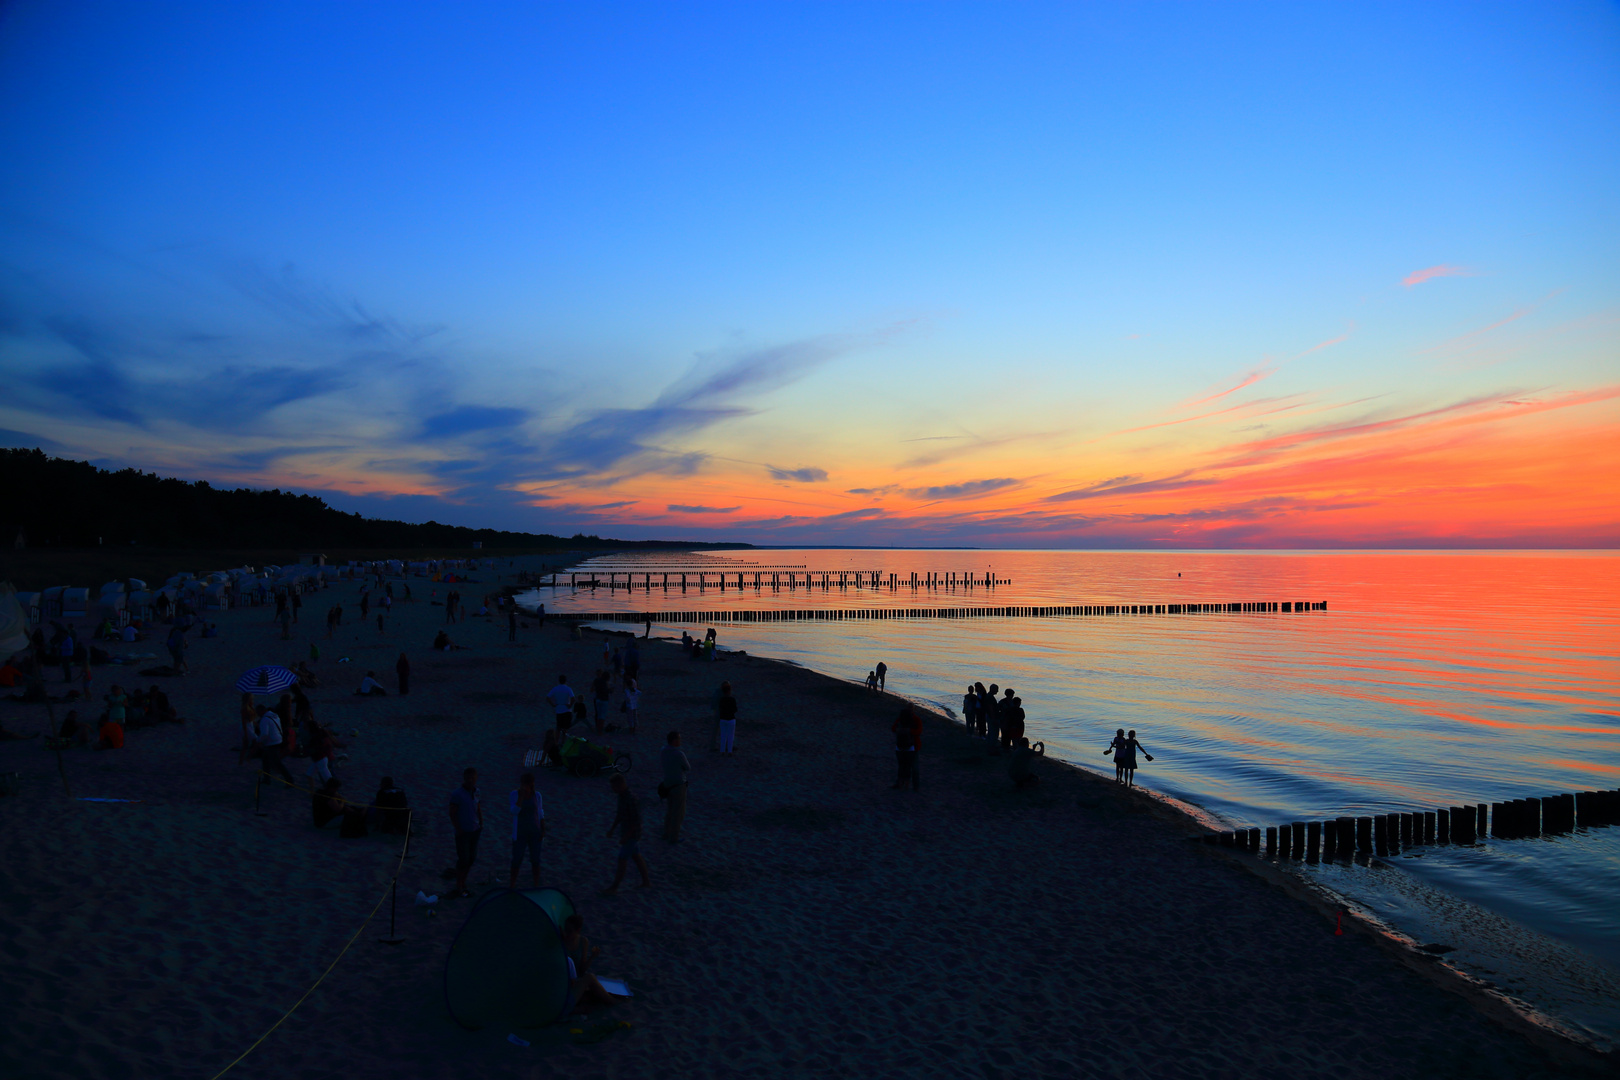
x=813 y=922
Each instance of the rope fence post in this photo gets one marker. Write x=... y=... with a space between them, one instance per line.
x=393 y=886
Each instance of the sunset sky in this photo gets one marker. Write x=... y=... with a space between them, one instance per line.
x=1078 y=275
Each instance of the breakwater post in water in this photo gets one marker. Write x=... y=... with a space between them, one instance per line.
x=1343 y=839
x=978 y=612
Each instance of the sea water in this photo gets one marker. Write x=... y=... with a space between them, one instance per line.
x=1432 y=679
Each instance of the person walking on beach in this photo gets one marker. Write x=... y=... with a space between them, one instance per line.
x=402 y=669
x=883 y=675
x=907 y=730
x=562 y=704
x=1116 y=747
x=528 y=828
x=676 y=771
x=467 y=817
x=627 y=819
x=726 y=708
x=1129 y=767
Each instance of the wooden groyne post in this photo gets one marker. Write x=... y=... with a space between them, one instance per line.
x=1357 y=838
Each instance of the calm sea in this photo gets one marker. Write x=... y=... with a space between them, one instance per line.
x=1432 y=679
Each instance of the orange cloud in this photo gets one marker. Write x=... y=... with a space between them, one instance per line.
x=1418 y=277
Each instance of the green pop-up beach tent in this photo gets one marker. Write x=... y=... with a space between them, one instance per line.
x=507 y=964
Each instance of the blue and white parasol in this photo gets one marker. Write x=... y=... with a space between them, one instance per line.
x=269 y=679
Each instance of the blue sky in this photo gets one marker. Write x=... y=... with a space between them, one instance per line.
x=731 y=270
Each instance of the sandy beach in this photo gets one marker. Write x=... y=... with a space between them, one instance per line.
x=813 y=922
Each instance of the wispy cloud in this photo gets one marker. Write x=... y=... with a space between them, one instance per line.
x=680 y=508
x=1131 y=485
x=1249 y=379
x=1418 y=277
x=809 y=475
x=968 y=489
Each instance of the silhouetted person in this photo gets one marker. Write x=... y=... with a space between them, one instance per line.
x=1012 y=721
x=1116 y=747
x=1131 y=747
x=402 y=669
x=467 y=817
x=528 y=828
x=1018 y=769
x=882 y=675
x=677 y=770
x=627 y=820
x=907 y=730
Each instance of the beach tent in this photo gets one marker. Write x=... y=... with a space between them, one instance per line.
x=507 y=964
x=13 y=624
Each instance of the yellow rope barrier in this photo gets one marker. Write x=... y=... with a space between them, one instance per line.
x=335 y=959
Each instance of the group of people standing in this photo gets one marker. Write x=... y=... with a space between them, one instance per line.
x=998 y=721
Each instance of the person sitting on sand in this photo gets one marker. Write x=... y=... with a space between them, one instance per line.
x=584 y=988
x=306 y=677
x=12 y=736
x=441 y=642
x=326 y=804
x=73 y=731
x=369 y=686
x=117 y=703
x=158 y=708
x=1018 y=769
x=551 y=747
x=391 y=807
x=112 y=735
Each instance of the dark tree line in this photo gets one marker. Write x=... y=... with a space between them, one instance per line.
x=57 y=502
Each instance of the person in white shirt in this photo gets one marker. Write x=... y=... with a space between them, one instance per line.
x=370 y=685
x=270 y=749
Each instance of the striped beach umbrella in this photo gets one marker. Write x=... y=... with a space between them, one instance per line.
x=269 y=679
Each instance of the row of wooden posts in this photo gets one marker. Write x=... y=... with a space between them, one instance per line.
x=794 y=579
x=1389 y=834
x=840 y=614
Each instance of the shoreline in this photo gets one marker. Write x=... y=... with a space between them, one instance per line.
x=1195 y=823
x=812 y=921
